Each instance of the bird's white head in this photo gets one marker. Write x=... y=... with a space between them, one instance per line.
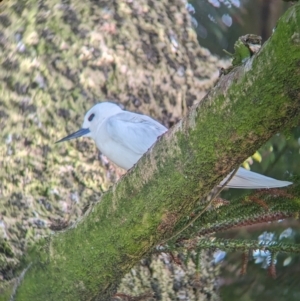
x=93 y=119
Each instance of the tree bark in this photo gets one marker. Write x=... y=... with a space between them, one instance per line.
x=58 y=59
x=244 y=110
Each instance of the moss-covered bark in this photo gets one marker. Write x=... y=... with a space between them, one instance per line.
x=246 y=107
x=57 y=59
x=172 y=276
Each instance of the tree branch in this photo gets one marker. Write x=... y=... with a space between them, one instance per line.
x=242 y=245
x=244 y=110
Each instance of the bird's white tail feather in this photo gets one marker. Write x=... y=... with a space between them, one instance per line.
x=245 y=179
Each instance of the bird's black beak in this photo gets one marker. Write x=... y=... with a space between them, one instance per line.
x=77 y=134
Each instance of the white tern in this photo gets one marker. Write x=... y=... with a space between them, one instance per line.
x=123 y=137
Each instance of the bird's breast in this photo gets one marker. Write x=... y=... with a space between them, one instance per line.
x=114 y=151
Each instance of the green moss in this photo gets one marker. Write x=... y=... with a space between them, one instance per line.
x=116 y=233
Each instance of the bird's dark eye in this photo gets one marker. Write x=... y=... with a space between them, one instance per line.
x=91 y=117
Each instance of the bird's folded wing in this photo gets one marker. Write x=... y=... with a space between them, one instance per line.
x=245 y=179
x=135 y=132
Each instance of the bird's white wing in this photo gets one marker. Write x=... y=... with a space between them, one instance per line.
x=134 y=131
x=245 y=179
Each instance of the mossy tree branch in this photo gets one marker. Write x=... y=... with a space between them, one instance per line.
x=244 y=110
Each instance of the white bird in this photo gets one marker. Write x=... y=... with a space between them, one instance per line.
x=124 y=137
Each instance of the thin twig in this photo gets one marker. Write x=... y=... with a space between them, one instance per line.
x=18 y=282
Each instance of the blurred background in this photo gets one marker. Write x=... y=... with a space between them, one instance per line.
x=219 y=23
